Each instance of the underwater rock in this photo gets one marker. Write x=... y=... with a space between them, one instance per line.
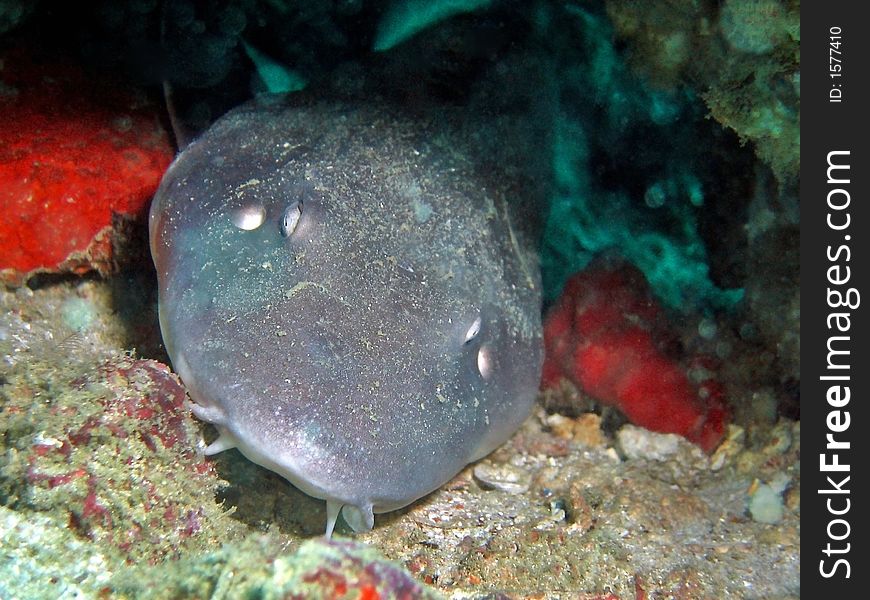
x=112 y=452
x=742 y=56
x=341 y=569
x=58 y=564
x=773 y=296
x=641 y=443
x=504 y=478
x=266 y=567
x=757 y=26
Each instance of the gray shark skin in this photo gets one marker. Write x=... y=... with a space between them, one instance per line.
x=351 y=301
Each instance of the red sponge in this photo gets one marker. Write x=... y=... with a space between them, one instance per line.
x=74 y=152
x=608 y=335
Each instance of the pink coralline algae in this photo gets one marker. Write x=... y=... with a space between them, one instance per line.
x=338 y=569
x=116 y=451
x=609 y=336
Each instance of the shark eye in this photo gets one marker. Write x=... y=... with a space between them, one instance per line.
x=291 y=218
x=249 y=217
x=473 y=331
x=484 y=361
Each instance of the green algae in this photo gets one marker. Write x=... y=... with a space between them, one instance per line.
x=277 y=78
x=744 y=62
x=658 y=232
x=406 y=18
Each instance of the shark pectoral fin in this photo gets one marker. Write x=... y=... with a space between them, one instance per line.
x=360 y=518
x=332 y=510
x=209 y=414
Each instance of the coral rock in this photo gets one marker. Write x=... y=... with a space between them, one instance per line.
x=333 y=569
x=114 y=453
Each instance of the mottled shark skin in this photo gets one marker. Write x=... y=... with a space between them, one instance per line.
x=349 y=300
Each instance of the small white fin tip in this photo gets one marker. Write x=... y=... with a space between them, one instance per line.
x=224 y=442
x=332 y=510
